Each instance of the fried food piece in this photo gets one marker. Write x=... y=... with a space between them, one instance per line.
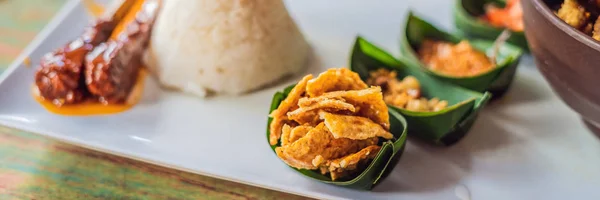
x=386 y=79
x=573 y=14
x=301 y=153
x=304 y=116
x=60 y=75
x=319 y=142
x=319 y=161
x=460 y=60
x=596 y=32
x=369 y=102
x=292 y=98
x=588 y=29
x=299 y=132
x=275 y=129
x=307 y=113
x=336 y=99
x=424 y=105
x=279 y=114
x=437 y=104
x=308 y=101
x=326 y=104
x=395 y=92
x=311 y=101
x=292 y=161
x=404 y=94
x=353 y=127
x=335 y=80
x=343 y=166
x=286 y=130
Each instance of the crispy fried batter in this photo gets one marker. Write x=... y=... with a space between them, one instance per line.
x=573 y=14
x=309 y=101
x=293 y=97
x=275 y=129
x=307 y=113
x=299 y=132
x=369 y=102
x=335 y=80
x=342 y=166
x=596 y=32
x=278 y=114
x=293 y=162
x=319 y=141
x=304 y=116
x=301 y=153
x=306 y=101
x=588 y=29
x=286 y=130
x=357 y=114
x=353 y=127
x=318 y=161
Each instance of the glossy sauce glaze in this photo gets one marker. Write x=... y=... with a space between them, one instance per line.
x=94 y=105
x=129 y=17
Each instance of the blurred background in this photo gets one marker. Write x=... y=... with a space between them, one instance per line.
x=20 y=21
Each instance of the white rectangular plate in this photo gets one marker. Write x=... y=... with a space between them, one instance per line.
x=527 y=146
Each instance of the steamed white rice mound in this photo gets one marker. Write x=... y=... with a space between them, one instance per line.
x=224 y=46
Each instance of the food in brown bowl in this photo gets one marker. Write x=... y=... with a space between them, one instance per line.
x=567 y=55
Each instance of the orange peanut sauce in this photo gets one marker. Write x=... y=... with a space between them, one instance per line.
x=457 y=60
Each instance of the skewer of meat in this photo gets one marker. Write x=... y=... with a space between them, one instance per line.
x=59 y=76
x=112 y=67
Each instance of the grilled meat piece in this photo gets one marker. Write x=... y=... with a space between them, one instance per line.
x=112 y=67
x=59 y=76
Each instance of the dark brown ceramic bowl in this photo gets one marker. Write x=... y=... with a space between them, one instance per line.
x=568 y=59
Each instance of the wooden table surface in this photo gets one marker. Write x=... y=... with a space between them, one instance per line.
x=37 y=167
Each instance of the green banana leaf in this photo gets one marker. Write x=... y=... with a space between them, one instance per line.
x=443 y=127
x=466 y=19
x=378 y=169
x=496 y=81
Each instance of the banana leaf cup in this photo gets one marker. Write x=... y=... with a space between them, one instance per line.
x=467 y=19
x=497 y=81
x=379 y=168
x=444 y=127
